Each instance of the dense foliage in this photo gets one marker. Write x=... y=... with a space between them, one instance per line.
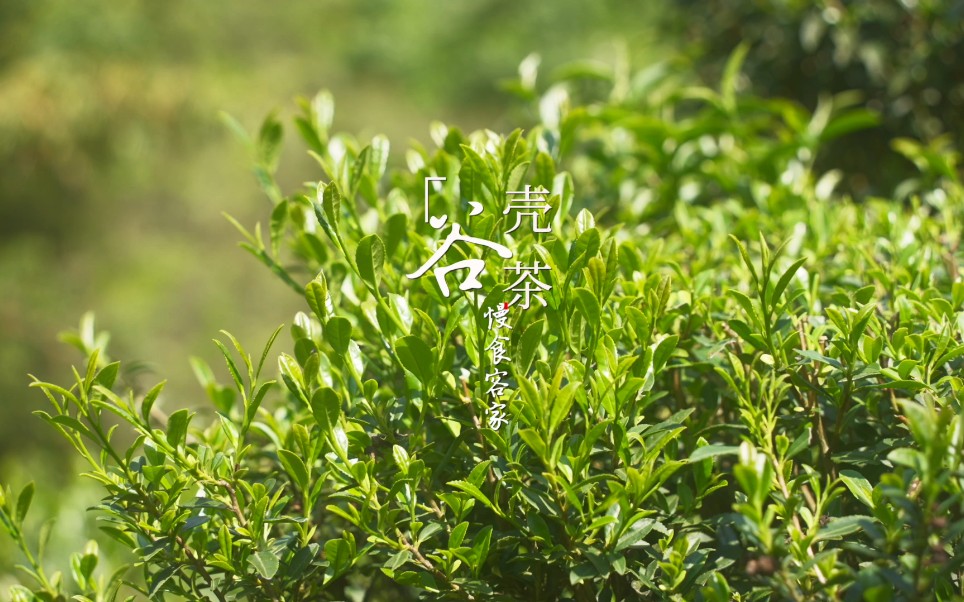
x=743 y=385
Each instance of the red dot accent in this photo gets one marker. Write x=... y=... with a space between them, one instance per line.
x=505 y=305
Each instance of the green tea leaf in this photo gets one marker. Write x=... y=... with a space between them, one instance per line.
x=417 y=357
x=589 y=305
x=844 y=525
x=858 y=486
x=331 y=204
x=339 y=558
x=177 y=424
x=23 y=502
x=265 y=562
x=370 y=256
x=326 y=408
x=269 y=142
x=295 y=467
x=338 y=334
x=712 y=451
x=529 y=343
x=316 y=293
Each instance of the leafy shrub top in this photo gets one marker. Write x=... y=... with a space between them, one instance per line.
x=742 y=386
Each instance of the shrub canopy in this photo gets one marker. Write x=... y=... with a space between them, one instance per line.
x=742 y=384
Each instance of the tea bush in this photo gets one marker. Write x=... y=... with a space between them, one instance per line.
x=742 y=385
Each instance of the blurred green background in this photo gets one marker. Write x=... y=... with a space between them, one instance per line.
x=115 y=166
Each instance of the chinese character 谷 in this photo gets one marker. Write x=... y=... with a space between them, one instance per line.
x=475 y=266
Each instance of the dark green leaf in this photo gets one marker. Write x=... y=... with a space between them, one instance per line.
x=295 y=466
x=326 y=408
x=417 y=357
x=339 y=558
